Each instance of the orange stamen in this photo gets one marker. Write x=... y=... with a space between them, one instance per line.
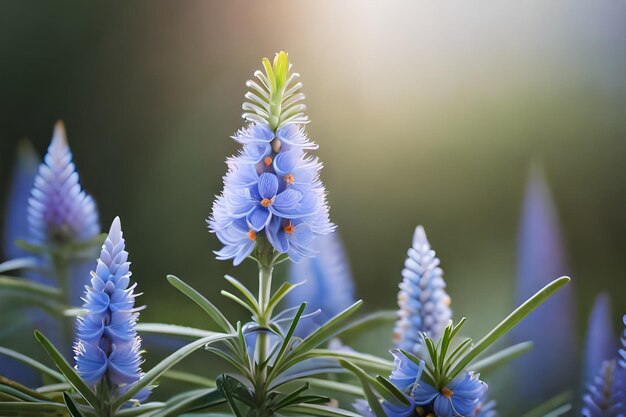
x=447 y=392
x=268 y=160
x=289 y=228
x=290 y=179
x=266 y=202
x=252 y=235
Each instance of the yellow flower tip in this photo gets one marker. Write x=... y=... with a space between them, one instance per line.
x=281 y=68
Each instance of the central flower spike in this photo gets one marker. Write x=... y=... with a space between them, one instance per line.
x=424 y=305
x=107 y=347
x=272 y=187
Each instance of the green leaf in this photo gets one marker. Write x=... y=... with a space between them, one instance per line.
x=365 y=379
x=54 y=388
x=501 y=357
x=140 y=410
x=284 y=289
x=189 y=378
x=21 y=284
x=239 y=301
x=71 y=407
x=19 y=394
x=32 y=363
x=24 y=409
x=205 y=304
x=559 y=404
x=70 y=374
x=244 y=291
x=199 y=400
x=292 y=329
x=319 y=336
x=151 y=376
x=320 y=410
x=508 y=323
x=173 y=330
x=365 y=324
x=18 y=263
x=334 y=386
x=370 y=362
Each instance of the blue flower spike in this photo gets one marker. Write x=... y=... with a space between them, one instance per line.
x=59 y=210
x=22 y=180
x=600 y=342
x=424 y=305
x=541 y=258
x=107 y=346
x=272 y=190
x=328 y=285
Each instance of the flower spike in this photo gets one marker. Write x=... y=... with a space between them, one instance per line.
x=328 y=285
x=541 y=258
x=272 y=190
x=107 y=347
x=424 y=305
x=59 y=210
x=600 y=343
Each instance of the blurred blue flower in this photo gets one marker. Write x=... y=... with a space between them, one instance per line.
x=485 y=408
x=16 y=228
x=459 y=398
x=622 y=351
x=424 y=305
x=606 y=394
x=22 y=180
x=272 y=187
x=328 y=285
x=550 y=327
x=59 y=211
x=107 y=347
x=600 y=342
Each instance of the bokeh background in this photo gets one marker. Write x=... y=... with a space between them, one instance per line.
x=425 y=113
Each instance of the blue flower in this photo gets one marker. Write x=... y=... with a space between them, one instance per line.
x=606 y=395
x=622 y=351
x=600 y=342
x=485 y=408
x=22 y=180
x=459 y=398
x=272 y=188
x=422 y=300
x=59 y=211
x=406 y=373
x=541 y=258
x=328 y=284
x=107 y=347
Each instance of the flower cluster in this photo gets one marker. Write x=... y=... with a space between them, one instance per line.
x=107 y=347
x=462 y=396
x=422 y=300
x=272 y=188
x=606 y=395
x=59 y=211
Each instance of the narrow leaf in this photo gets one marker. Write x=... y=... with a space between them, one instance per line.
x=70 y=374
x=502 y=357
x=508 y=323
x=205 y=304
x=32 y=363
x=71 y=407
x=173 y=330
x=151 y=376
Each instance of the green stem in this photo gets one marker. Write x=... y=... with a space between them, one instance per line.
x=60 y=265
x=265 y=291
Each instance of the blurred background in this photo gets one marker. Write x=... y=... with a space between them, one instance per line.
x=425 y=113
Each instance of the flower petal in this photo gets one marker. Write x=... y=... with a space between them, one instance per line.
x=258 y=218
x=268 y=185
